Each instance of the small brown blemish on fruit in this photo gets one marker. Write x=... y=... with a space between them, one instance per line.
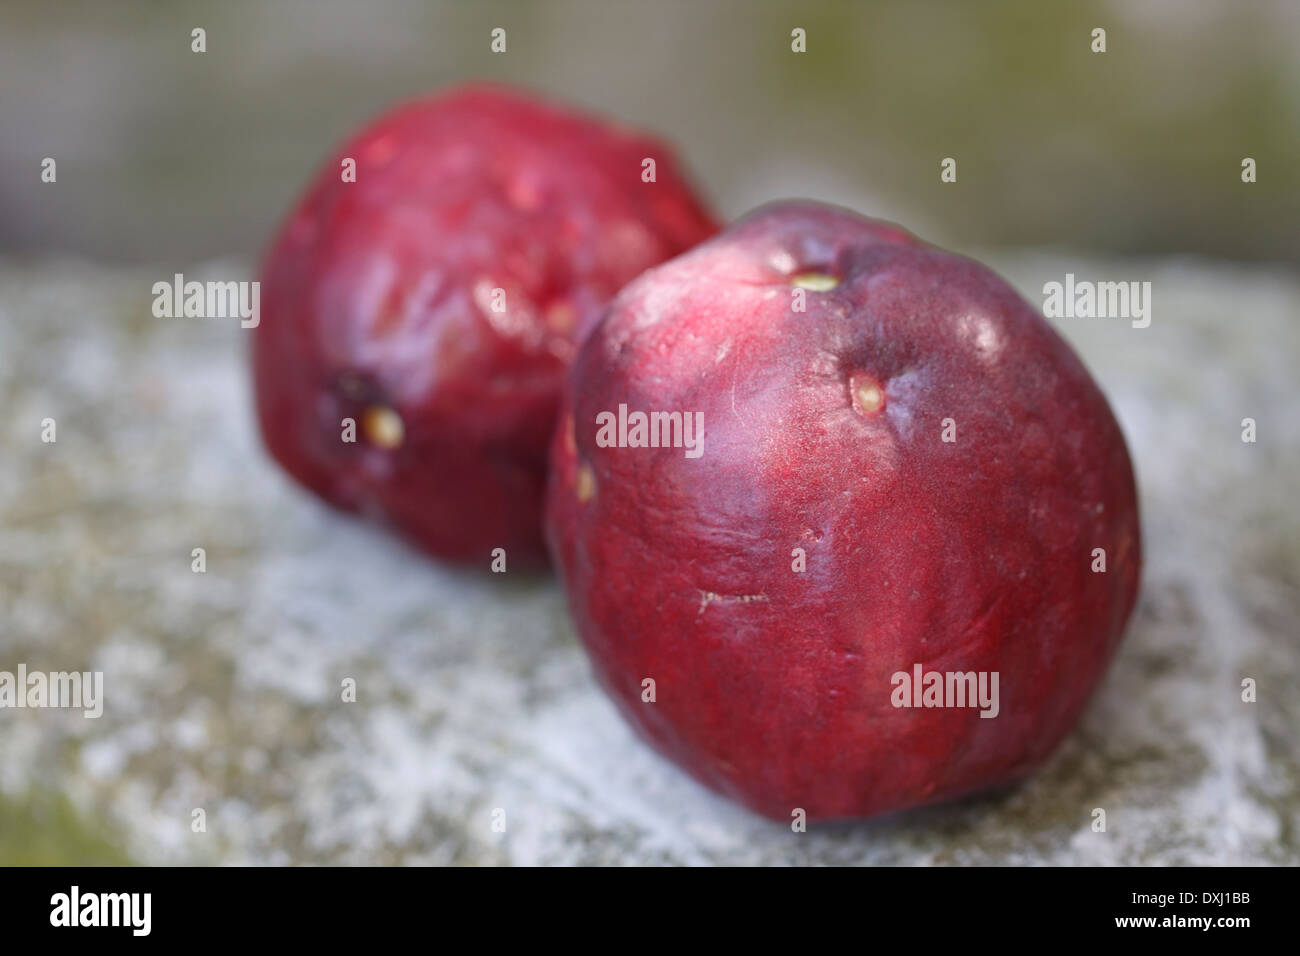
x=585 y=487
x=867 y=395
x=383 y=427
x=816 y=281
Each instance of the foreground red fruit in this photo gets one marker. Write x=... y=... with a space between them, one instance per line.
x=783 y=588
x=436 y=301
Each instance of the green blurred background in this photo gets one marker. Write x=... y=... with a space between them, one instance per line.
x=166 y=156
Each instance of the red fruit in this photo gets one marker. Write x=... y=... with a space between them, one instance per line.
x=824 y=435
x=378 y=305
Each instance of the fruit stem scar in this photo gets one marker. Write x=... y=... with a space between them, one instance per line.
x=866 y=393
x=383 y=427
x=709 y=597
x=585 y=487
x=816 y=281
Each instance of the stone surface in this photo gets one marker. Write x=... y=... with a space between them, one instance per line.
x=223 y=689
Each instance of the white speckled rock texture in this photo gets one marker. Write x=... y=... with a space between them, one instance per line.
x=223 y=688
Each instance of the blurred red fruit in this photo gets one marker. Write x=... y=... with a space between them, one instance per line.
x=437 y=300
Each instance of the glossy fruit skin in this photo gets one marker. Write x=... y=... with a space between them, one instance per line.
x=379 y=294
x=774 y=686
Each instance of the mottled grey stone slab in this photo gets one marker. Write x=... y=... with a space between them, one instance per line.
x=223 y=689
